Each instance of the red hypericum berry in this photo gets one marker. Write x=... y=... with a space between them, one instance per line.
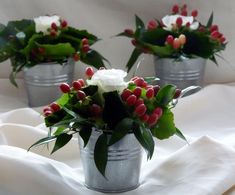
x=53 y=33
x=177 y=93
x=175 y=9
x=55 y=107
x=131 y=100
x=41 y=50
x=187 y=24
x=194 y=13
x=85 y=41
x=134 y=78
x=129 y=32
x=222 y=39
x=170 y=39
x=76 y=57
x=158 y=111
x=140 y=110
x=145 y=117
x=82 y=82
x=215 y=34
x=47 y=113
x=145 y=84
x=156 y=88
x=125 y=94
x=137 y=92
x=150 y=93
x=201 y=29
x=65 y=88
x=54 y=26
x=85 y=48
x=89 y=72
x=47 y=109
x=64 y=23
x=153 y=118
x=95 y=110
x=76 y=85
x=139 y=101
x=134 y=42
x=81 y=95
x=152 y=25
x=184 y=12
x=176 y=43
x=214 y=28
x=179 y=22
x=139 y=81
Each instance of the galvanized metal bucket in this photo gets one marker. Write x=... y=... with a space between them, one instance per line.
x=183 y=73
x=42 y=81
x=123 y=166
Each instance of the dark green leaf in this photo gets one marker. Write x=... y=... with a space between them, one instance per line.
x=165 y=126
x=114 y=109
x=70 y=112
x=90 y=90
x=12 y=79
x=61 y=141
x=43 y=141
x=85 y=133
x=213 y=59
x=93 y=58
x=134 y=56
x=161 y=51
x=145 y=138
x=210 y=21
x=101 y=153
x=180 y=135
x=165 y=95
x=139 y=23
x=121 y=129
x=124 y=34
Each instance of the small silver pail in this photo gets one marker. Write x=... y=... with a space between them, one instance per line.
x=123 y=166
x=42 y=81
x=183 y=73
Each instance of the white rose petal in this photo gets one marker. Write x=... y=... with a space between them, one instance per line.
x=43 y=23
x=109 y=80
x=170 y=20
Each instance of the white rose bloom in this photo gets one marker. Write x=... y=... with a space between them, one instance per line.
x=109 y=80
x=43 y=23
x=170 y=20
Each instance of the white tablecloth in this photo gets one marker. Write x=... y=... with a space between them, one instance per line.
x=206 y=166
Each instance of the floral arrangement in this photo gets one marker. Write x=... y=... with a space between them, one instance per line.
x=45 y=39
x=176 y=35
x=105 y=102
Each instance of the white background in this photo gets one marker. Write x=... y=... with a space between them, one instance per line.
x=109 y=17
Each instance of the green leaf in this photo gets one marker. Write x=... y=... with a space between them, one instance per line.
x=114 y=109
x=161 y=51
x=94 y=59
x=165 y=95
x=150 y=80
x=121 y=129
x=139 y=23
x=145 y=138
x=180 y=135
x=90 y=90
x=61 y=141
x=124 y=34
x=70 y=112
x=210 y=21
x=12 y=79
x=213 y=59
x=43 y=141
x=134 y=56
x=101 y=153
x=63 y=99
x=165 y=126
x=59 y=130
x=85 y=133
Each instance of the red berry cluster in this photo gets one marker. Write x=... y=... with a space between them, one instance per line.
x=176 y=9
x=216 y=35
x=54 y=28
x=89 y=72
x=136 y=97
x=152 y=24
x=176 y=43
x=53 y=107
x=85 y=47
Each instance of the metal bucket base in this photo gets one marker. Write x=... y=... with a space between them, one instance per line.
x=112 y=191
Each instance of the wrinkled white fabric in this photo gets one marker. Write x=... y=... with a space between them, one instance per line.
x=205 y=166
